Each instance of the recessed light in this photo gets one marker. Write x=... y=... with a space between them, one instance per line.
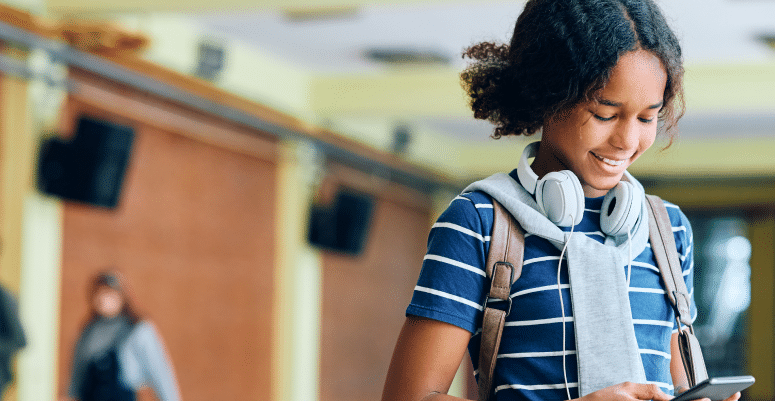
x=768 y=39
x=316 y=14
x=406 y=56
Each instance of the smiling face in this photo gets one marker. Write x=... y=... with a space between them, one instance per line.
x=599 y=139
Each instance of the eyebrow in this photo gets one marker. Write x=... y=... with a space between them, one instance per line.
x=607 y=102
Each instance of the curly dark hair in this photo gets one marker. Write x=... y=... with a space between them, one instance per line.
x=562 y=53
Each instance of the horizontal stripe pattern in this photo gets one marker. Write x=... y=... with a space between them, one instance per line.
x=540 y=259
x=455 y=263
x=537 y=289
x=663 y=354
x=536 y=354
x=448 y=296
x=536 y=386
x=452 y=286
x=648 y=290
x=459 y=228
x=653 y=322
x=539 y=321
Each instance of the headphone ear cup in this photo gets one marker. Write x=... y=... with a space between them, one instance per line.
x=580 y=203
x=560 y=198
x=621 y=208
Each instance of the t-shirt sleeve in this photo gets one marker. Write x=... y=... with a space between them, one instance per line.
x=684 y=240
x=452 y=279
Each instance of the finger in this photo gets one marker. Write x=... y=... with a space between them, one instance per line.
x=734 y=397
x=649 y=392
x=662 y=396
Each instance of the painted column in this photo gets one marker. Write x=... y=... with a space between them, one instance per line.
x=30 y=260
x=297 y=302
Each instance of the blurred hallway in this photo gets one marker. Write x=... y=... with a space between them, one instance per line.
x=250 y=119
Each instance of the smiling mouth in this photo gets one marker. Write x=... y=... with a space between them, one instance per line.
x=609 y=161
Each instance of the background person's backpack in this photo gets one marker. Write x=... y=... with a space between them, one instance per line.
x=102 y=381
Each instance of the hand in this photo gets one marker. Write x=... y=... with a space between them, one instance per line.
x=734 y=397
x=628 y=391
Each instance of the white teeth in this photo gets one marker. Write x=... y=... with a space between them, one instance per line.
x=609 y=161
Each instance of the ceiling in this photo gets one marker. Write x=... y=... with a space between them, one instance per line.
x=330 y=38
x=711 y=31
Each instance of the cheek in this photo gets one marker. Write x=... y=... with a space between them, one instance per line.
x=648 y=137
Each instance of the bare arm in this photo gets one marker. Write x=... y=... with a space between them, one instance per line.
x=677 y=371
x=428 y=354
x=425 y=360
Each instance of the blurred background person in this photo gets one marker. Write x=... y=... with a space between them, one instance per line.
x=118 y=352
x=12 y=337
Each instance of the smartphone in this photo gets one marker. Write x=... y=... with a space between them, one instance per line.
x=716 y=388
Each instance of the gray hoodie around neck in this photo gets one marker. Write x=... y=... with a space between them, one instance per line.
x=606 y=347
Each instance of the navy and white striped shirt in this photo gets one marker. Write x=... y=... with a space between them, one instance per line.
x=452 y=284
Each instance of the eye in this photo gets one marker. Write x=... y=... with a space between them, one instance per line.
x=601 y=118
x=646 y=120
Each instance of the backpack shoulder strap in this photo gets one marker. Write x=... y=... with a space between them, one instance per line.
x=666 y=254
x=503 y=267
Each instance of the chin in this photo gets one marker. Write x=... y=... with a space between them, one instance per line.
x=598 y=189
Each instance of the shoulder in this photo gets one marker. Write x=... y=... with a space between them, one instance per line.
x=469 y=202
x=682 y=230
x=144 y=331
x=678 y=219
x=468 y=212
x=469 y=205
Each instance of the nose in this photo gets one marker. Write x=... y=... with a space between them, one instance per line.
x=626 y=135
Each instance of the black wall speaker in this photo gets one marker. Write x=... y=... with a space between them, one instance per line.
x=344 y=226
x=90 y=168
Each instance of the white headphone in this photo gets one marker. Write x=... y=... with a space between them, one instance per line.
x=561 y=199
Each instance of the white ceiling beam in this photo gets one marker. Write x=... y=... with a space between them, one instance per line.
x=723 y=89
x=731 y=88
x=409 y=94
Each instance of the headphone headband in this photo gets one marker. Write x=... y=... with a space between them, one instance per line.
x=527 y=177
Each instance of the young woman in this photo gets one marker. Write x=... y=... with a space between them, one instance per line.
x=118 y=352
x=589 y=318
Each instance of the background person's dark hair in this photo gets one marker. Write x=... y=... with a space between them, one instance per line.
x=113 y=280
x=562 y=53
